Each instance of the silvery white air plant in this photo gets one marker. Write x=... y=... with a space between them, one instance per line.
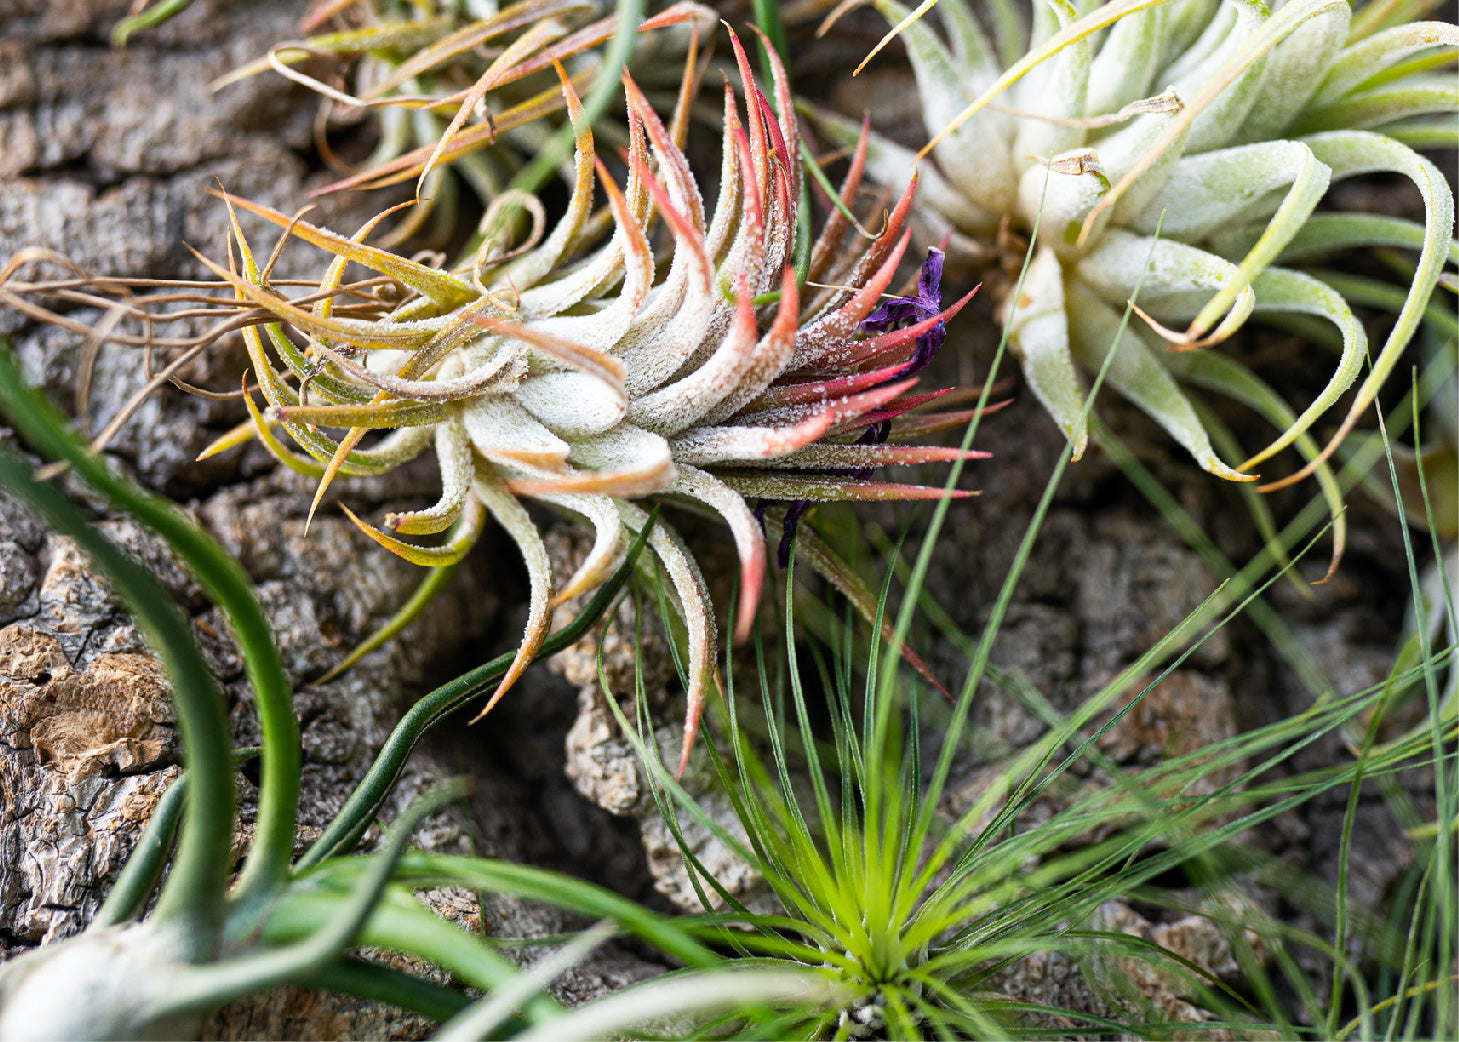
x=1181 y=148
x=582 y=375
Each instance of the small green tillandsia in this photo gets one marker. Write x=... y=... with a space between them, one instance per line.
x=582 y=374
x=915 y=916
x=1227 y=122
x=140 y=972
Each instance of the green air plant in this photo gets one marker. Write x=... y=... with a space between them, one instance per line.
x=918 y=916
x=584 y=374
x=1201 y=135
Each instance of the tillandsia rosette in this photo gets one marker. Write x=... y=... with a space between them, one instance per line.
x=584 y=373
x=1176 y=153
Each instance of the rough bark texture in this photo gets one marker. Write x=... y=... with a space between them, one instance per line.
x=105 y=156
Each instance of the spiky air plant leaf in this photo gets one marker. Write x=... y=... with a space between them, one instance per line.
x=584 y=373
x=1187 y=144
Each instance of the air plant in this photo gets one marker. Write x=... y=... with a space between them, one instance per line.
x=580 y=373
x=1186 y=144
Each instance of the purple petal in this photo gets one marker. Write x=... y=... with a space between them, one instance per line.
x=929 y=283
x=926 y=304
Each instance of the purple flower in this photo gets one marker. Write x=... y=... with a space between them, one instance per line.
x=892 y=314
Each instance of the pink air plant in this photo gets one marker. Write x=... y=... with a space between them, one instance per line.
x=582 y=374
